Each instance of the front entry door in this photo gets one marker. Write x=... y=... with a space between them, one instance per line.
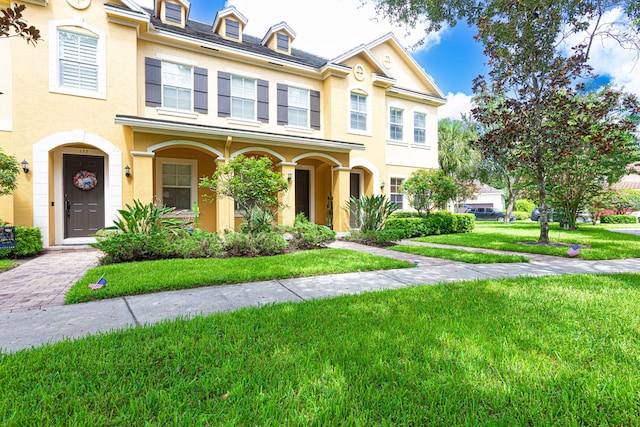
x=83 y=195
x=302 y=193
x=354 y=191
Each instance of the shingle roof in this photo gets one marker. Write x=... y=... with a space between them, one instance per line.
x=250 y=44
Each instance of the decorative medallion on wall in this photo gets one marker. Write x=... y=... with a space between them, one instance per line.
x=386 y=61
x=358 y=72
x=85 y=180
x=79 y=4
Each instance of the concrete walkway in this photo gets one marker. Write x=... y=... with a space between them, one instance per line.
x=52 y=322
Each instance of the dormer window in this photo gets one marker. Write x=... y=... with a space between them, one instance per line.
x=172 y=12
x=232 y=28
x=279 y=38
x=283 y=42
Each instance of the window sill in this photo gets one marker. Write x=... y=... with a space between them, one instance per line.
x=421 y=146
x=298 y=129
x=236 y=121
x=78 y=92
x=399 y=143
x=177 y=113
x=359 y=132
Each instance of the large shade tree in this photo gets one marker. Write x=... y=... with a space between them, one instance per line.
x=527 y=102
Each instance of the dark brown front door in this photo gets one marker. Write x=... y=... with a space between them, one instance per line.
x=302 y=193
x=354 y=191
x=83 y=195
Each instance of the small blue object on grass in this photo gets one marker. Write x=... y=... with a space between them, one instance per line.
x=99 y=284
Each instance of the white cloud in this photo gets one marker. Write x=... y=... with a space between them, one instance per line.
x=608 y=58
x=457 y=105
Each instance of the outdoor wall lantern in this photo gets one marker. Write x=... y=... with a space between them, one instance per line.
x=289 y=177
x=127 y=171
x=25 y=166
x=382 y=184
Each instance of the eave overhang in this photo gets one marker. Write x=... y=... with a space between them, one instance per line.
x=168 y=127
x=411 y=95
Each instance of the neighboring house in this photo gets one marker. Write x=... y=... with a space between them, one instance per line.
x=137 y=104
x=488 y=197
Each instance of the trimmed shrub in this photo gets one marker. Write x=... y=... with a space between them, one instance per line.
x=127 y=247
x=307 y=235
x=242 y=244
x=197 y=244
x=236 y=244
x=28 y=243
x=618 y=219
x=376 y=237
x=522 y=215
x=440 y=222
x=525 y=205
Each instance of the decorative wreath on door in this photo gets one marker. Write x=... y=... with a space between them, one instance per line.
x=85 y=180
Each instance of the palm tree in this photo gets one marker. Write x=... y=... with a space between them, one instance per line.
x=457 y=158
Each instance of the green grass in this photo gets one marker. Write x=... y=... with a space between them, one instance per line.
x=7 y=264
x=460 y=255
x=602 y=244
x=542 y=351
x=153 y=276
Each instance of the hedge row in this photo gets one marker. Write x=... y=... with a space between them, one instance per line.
x=28 y=243
x=441 y=222
x=618 y=219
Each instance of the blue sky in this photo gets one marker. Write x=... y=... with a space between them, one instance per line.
x=452 y=57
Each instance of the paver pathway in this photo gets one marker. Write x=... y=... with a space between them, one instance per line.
x=43 y=281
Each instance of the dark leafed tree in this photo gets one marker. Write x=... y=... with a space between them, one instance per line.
x=13 y=24
x=527 y=102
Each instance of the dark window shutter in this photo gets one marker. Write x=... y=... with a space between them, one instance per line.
x=315 y=109
x=224 y=94
x=201 y=90
x=283 y=104
x=153 y=82
x=282 y=41
x=263 y=101
x=173 y=12
x=232 y=28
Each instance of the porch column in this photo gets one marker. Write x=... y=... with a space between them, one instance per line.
x=142 y=176
x=287 y=215
x=225 y=219
x=341 y=193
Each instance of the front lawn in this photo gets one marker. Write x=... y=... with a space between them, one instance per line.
x=7 y=264
x=595 y=241
x=558 y=350
x=135 y=278
x=460 y=255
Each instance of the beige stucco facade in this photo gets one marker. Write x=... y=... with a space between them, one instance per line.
x=48 y=121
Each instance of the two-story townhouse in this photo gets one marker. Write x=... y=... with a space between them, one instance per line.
x=121 y=102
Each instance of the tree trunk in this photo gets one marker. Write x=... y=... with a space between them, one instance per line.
x=544 y=218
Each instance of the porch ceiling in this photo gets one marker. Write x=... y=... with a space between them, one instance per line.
x=168 y=127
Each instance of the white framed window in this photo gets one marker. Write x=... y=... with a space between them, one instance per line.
x=298 y=109
x=396 y=125
x=243 y=97
x=77 y=60
x=358 y=112
x=176 y=182
x=395 y=195
x=419 y=128
x=177 y=86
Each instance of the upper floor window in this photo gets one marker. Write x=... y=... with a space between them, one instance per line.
x=243 y=98
x=419 y=128
x=395 y=193
x=395 y=124
x=177 y=86
x=77 y=60
x=298 y=107
x=358 y=112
